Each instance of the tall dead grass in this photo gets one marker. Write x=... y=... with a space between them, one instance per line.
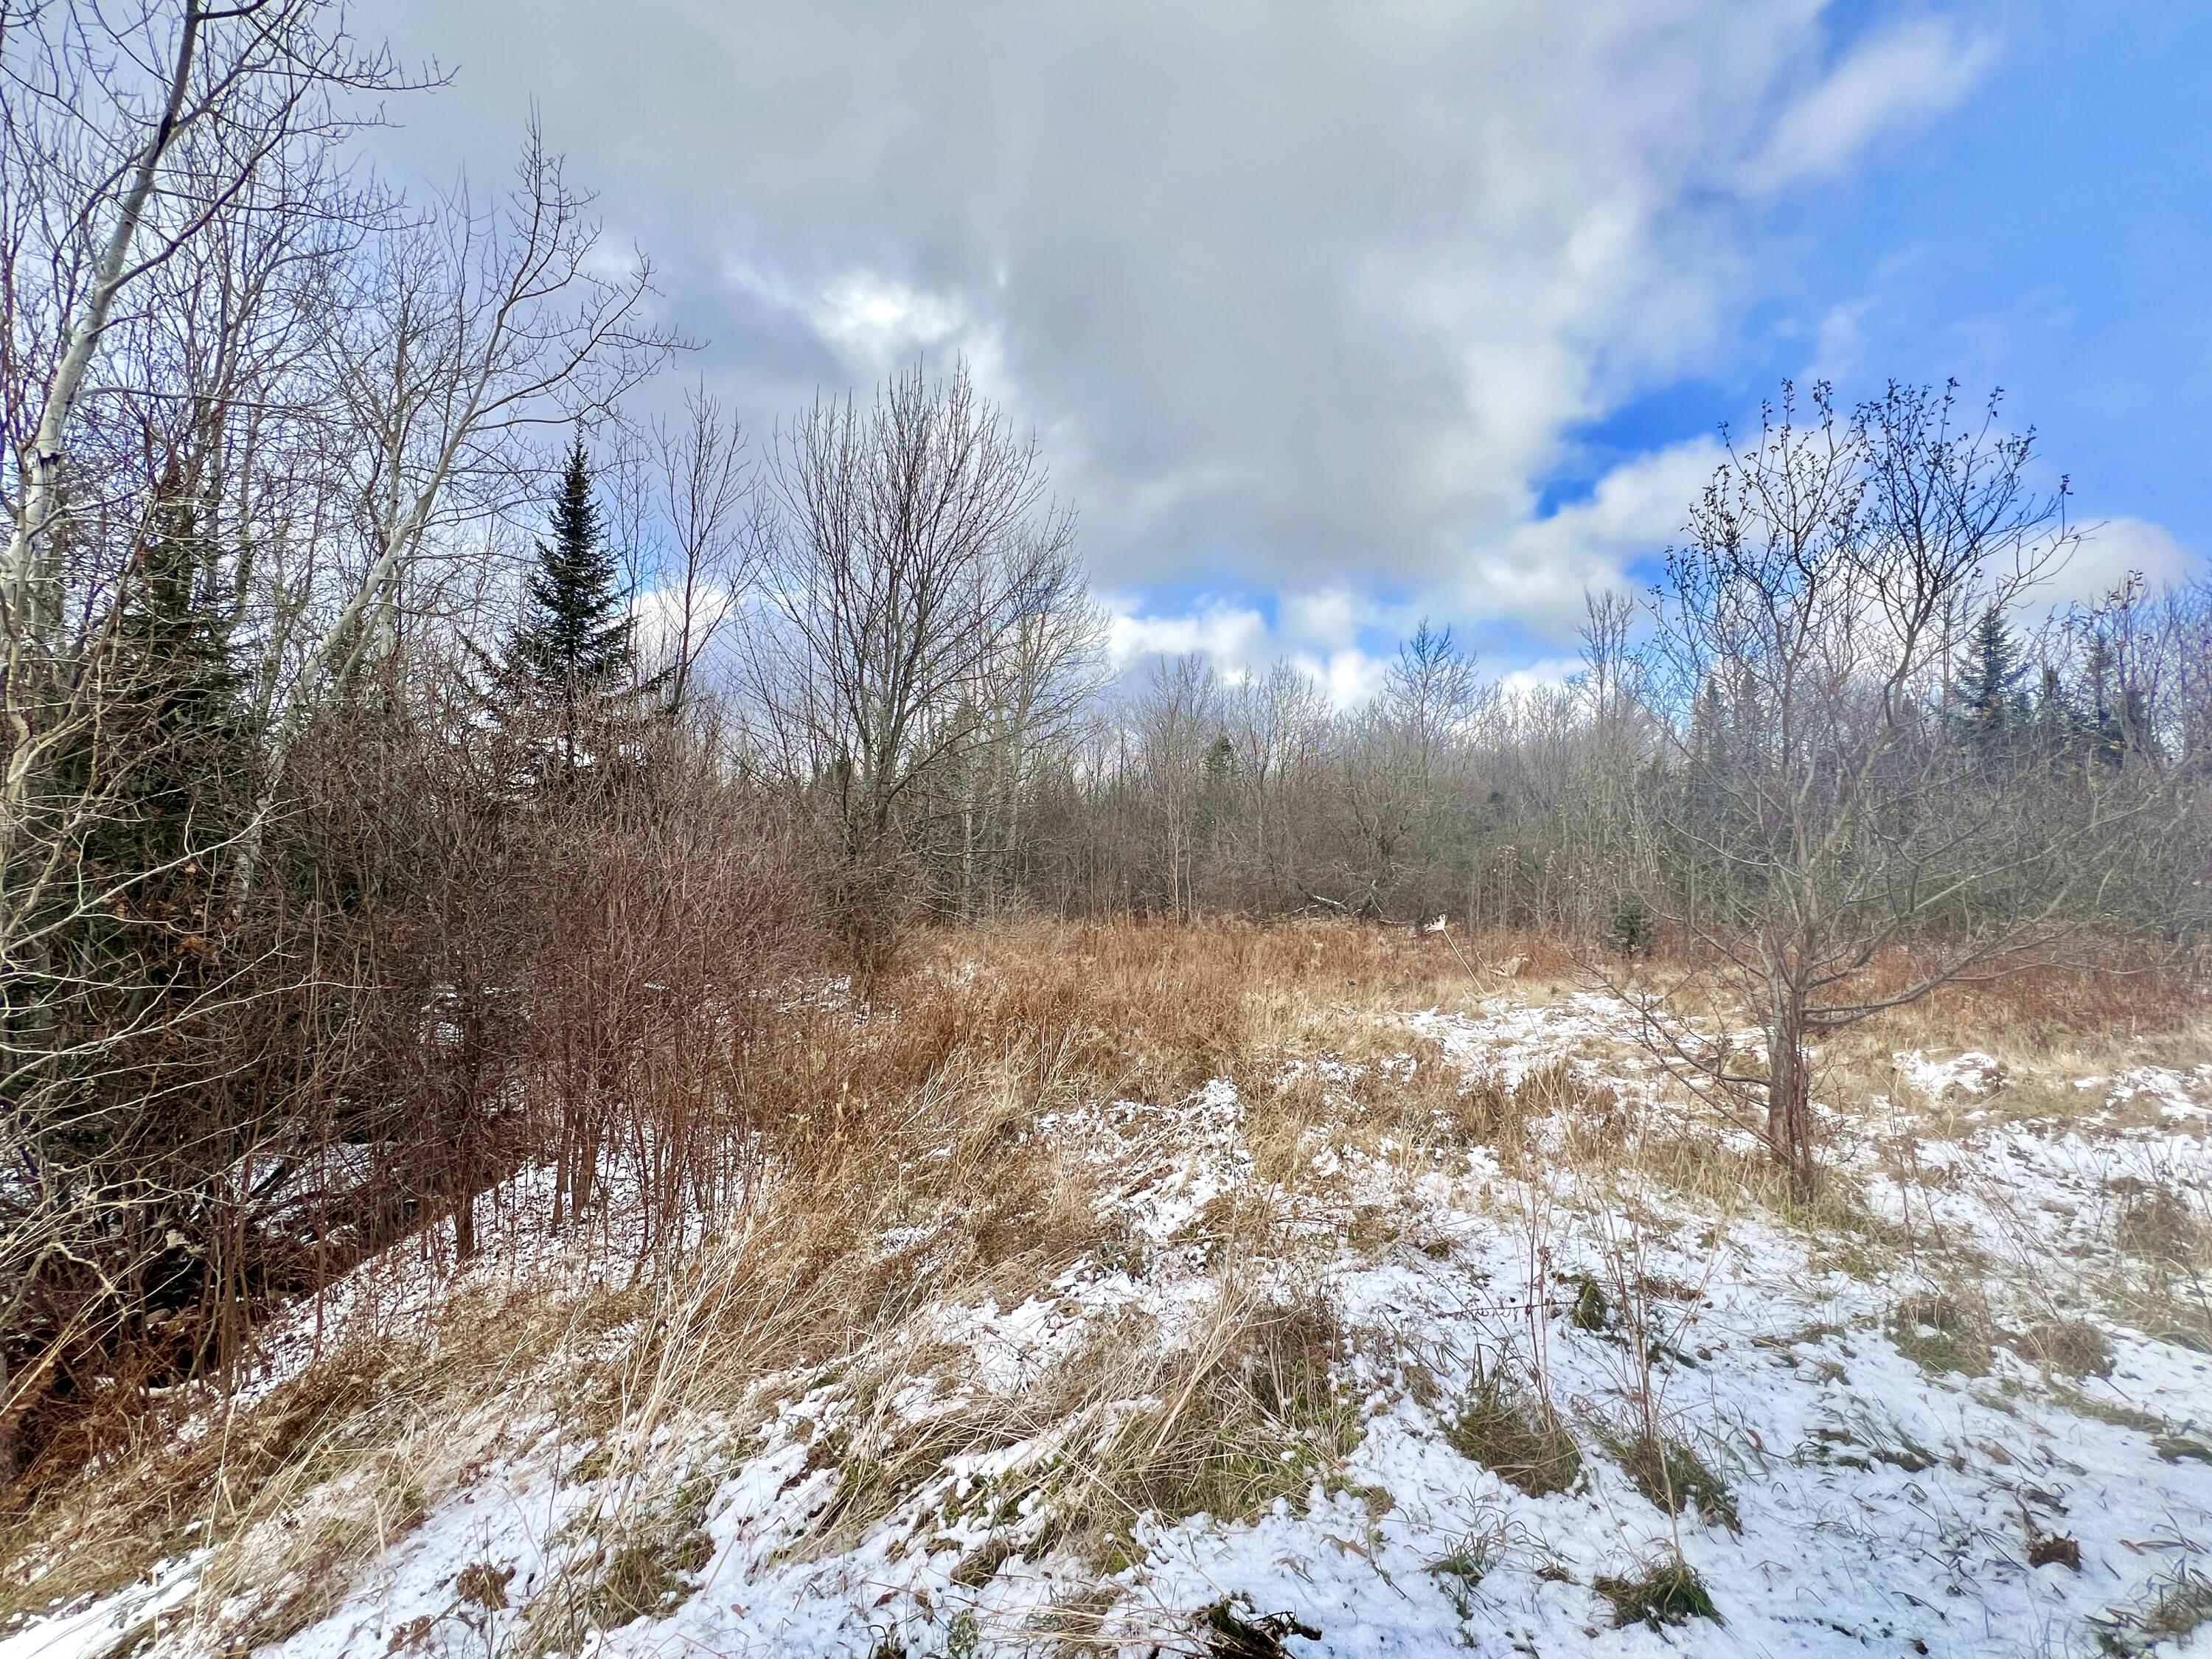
x=897 y=1157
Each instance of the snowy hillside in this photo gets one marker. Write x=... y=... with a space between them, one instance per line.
x=1526 y=1368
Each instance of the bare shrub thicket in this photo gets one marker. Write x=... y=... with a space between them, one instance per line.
x=265 y=422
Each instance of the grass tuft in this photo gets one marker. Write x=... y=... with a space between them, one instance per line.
x=2171 y=1610
x=2068 y=1347
x=1673 y=1477
x=1940 y=1332
x=1670 y=1593
x=1519 y=1439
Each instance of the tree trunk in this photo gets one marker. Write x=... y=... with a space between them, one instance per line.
x=1788 y=1083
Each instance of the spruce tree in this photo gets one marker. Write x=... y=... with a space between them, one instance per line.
x=571 y=656
x=172 y=760
x=149 y=797
x=1989 y=695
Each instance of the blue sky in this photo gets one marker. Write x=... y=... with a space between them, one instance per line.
x=2051 y=234
x=1327 y=318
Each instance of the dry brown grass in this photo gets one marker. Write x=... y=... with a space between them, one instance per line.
x=922 y=1116
x=929 y=1116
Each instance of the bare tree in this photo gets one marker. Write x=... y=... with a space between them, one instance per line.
x=709 y=505
x=1828 y=807
x=257 y=415
x=909 y=544
x=1280 y=724
x=103 y=106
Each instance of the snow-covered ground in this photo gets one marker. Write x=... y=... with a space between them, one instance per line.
x=1902 y=1456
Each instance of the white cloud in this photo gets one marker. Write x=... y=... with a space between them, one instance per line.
x=1317 y=634
x=1232 y=637
x=1893 y=85
x=1545 y=674
x=877 y=320
x=2114 y=550
x=1348 y=678
x=1330 y=615
x=1307 y=301
x=1537 y=573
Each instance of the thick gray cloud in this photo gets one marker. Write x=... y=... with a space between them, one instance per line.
x=1299 y=296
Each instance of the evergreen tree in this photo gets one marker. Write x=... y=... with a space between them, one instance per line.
x=147 y=799
x=2104 y=733
x=1989 y=695
x=172 y=762
x=570 y=657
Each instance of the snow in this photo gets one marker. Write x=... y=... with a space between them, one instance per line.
x=1882 y=1502
x=1971 y=1073
x=81 y=1633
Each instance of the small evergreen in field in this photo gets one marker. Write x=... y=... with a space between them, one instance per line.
x=1633 y=924
x=570 y=660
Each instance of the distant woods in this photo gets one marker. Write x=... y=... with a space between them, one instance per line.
x=417 y=767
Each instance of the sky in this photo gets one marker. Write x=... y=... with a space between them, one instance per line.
x=1330 y=317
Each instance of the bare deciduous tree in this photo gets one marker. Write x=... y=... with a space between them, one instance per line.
x=709 y=505
x=1828 y=807
x=910 y=545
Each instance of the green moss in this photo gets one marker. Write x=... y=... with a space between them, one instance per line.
x=1940 y=1334
x=1590 y=1312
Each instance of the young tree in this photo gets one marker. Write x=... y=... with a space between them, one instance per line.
x=1828 y=806
x=569 y=657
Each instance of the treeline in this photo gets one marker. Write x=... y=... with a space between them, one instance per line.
x=416 y=772
x=1541 y=807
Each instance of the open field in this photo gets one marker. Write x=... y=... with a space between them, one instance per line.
x=1118 y=1289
